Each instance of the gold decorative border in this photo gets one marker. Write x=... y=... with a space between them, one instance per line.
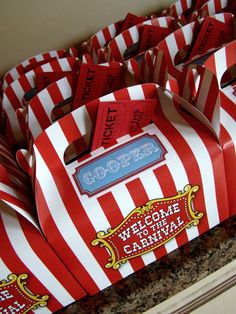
x=102 y=235
x=20 y=280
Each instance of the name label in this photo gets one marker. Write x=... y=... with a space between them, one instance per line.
x=119 y=164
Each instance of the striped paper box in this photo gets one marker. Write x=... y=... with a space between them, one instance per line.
x=174 y=52
x=114 y=210
x=212 y=90
x=33 y=278
x=14 y=93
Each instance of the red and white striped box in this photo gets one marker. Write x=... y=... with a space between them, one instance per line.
x=116 y=209
x=118 y=48
x=32 y=276
x=14 y=93
x=33 y=62
x=96 y=45
x=42 y=109
x=184 y=10
x=212 y=90
x=191 y=43
x=215 y=6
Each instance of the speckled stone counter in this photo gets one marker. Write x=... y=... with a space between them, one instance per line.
x=166 y=277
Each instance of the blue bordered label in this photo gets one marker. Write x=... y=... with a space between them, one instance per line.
x=118 y=164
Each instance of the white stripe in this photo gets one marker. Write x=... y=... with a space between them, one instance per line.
x=46 y=101
x=211 y=7
x=66 y=226
x=24 y=213
x=65 y=88
x=157 y=67
x=64 y=64
x=220 y=63
x=136 y=92
x=202 y=156
x=5 y=271
x=83 y=121
x=14 y=73
x=229 y=124
x=108 y=97
x=33 y=124
x=220 y=17
x=153 y=190
x=7 y=189
x=178 y=6
x=188 y=33
x=47 y=67
x=204 y=91
x=101 y=39
x=172 y=45
x=134 y=34
x=121 y=44
x=31 y=260
x=14 y=123
x=39 y=57
x=162 y=22
x=54 y=53
x=18 y=89
x=112 y=30
x=223 y=3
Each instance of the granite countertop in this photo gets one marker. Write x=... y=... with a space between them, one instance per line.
x=166 y=277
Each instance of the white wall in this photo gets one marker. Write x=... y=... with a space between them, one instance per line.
x=28 y=27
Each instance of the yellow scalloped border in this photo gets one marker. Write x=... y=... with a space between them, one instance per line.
x=20 y=281
x=188 y=190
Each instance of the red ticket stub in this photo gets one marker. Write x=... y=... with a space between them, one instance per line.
x=131 y=20
x=96 y=81
x=151 y=36
x=117 y=118
x=44 y=79
x=213 y=34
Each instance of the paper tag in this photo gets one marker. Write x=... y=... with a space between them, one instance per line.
x=152 y=35
x=96 y=81
x=117 y=118
x=44 y=79
x=36 y=64
x=213 y=34
x=131 y=20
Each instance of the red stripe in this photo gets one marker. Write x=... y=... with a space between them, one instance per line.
x=15 y=264
x=218 y=171
x=115 y=52
x=49 y=227
x=189 y=163
x=71 y=203
x=55 y=93
x=128 y=39
x=169 y=188
x=95 y=44
x=13 y=99
x=115 y=217
x=25 y=84
x=48 y=257
x=106 y=34
x=40 y=113
x=230 y=166
x=55 y=65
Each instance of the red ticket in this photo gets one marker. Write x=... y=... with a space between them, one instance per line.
x=96 y=81
x=213 y=34
x=44 y=79
x=152 y=35
x=117 y=118
x=131 y=20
